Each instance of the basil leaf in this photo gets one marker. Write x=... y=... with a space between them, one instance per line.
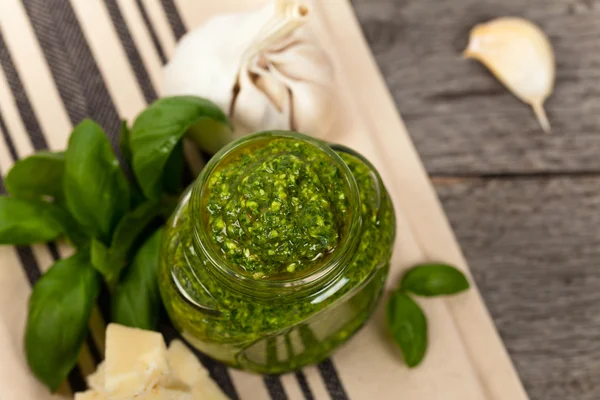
x=96 y=190
x=110 y=261
x=210 y=135
x=173 y=173
x=105 y=262
x=132 y=225
x=434 y=280
x=136 y=301
x=30 y=221
x=408 y=326
x=57 y=324
x=124 y=144
x=157 y=131
x=37 y=176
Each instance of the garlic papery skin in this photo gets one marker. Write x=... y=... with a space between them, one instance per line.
x=520 y=55
x=263 y=68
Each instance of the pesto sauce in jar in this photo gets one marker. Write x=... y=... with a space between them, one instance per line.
x=276 y=208
x=279 y=253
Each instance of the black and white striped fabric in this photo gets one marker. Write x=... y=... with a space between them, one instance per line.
x=65 y=60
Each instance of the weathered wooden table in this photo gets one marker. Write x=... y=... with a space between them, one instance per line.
x=525 y=205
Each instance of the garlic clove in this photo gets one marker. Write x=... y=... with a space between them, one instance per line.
x=305 y=62
x=314 y=106
x=520 y=55
x=246 y=116
x=314 y=110
x=273 y=88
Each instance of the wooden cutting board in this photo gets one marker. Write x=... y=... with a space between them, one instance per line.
x=466 y=358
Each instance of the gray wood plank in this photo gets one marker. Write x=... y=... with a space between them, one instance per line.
x=463 y=121
x=534 y=248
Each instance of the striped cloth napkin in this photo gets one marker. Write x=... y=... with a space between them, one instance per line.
x=65 y=60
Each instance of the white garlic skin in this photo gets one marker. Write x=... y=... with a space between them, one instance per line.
x=207 y=59
x=288 y=85
x=520 y=55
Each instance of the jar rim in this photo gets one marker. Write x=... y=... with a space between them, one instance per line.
x=329 y=269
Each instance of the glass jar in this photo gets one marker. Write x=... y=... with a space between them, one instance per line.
x=273 y=320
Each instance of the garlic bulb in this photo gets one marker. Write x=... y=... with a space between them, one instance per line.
x=263 y=68
x=520 y=55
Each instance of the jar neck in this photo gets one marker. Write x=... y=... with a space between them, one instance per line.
x=299 y=286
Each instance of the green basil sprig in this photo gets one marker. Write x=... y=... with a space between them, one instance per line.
x=158 y=130
x=136 y=302
x=57 y=323
x=405 y=320
x=84 y=194
x=96 y=190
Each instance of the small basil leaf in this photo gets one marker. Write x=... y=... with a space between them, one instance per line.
x=136 y=301
x=96 y=190
x=109 y=261
x=408 y=326
x=57 y=324
x=132 y=225
x=105 y=262
x=30 y=221
x=37 y=176
x=158 y=130
x=434 y=280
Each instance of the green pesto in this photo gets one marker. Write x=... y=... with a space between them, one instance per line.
x=276 y=207
x=275 y=334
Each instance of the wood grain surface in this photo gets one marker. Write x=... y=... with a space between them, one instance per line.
x=461 y=119
x=525 y=205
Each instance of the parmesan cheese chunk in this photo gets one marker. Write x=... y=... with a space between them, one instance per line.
x=96 y=380
x=135 y=361
x=186 y=367
x=184 y=364
x=139 y=366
